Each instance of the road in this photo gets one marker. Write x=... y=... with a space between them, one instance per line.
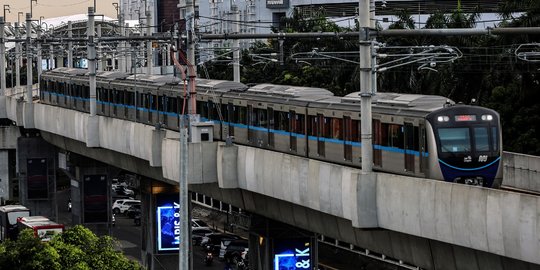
x=129 y=235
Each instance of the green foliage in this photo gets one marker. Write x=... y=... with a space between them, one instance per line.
x=76 y=249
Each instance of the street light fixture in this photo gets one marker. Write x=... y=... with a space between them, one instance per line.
x=6 y=7
x=31 y=7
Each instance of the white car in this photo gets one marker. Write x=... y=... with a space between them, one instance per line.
x=121 y=206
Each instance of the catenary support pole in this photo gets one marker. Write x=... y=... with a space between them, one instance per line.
x=236 y=43
x=99 y=56
x=149 y=55
x=29 y=61
x=2 y=58
x=70 y=45
x=39 y=67
x=17 y=56
x=365 y=85
x=92 y=61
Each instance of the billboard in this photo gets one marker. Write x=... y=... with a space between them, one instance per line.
x=277 y=3
x=37 y=183
x=167 y=222
x=292 y=254
x=95 y=199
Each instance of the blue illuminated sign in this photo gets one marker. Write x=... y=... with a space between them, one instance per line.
x=292 y=254
x=168 y=223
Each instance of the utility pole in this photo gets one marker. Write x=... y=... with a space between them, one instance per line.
x=29 y=61
x=99 y=55
x=365 y=84
x=236 y=42
x=2 y=58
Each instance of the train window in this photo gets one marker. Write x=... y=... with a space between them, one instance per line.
x=312 y=125
x=271 y=120
x=210 y=110
x=237 y=114
x=261 y=117
x=336 y=128
x=481 y=139
x=120 y=99
x=495 y=138
x=242 y=115
x=394 y=135
x=155 y=102
x=173 y=105
x=86 y=92
x=299 y=124
x=327 y=127
x=454 y=140
x=282 y=120
x=201 y=108
x=161 y=102
x=355 y=131
x=225 y=113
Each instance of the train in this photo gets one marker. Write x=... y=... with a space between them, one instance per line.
x=416 y=135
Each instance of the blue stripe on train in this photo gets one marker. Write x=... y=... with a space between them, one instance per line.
x=280 y=132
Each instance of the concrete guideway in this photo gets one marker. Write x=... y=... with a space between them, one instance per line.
x=492 y=221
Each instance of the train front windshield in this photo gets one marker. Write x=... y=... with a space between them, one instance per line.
x=468 y=139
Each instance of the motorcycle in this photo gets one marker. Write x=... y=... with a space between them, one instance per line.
x=208 y=259
x=137 y=220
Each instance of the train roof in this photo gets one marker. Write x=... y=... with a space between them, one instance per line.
x=288 y=91
x=153 y=79
x=70 y=71
x=208 y=85
x=404 y=101
x=112 y=75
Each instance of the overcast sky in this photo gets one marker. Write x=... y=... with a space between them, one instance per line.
x=56 y=8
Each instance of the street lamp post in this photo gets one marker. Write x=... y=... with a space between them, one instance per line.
x=31 y=7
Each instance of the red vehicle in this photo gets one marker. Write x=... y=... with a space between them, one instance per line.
x=43 y=228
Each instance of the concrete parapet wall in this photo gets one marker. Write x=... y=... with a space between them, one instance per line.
x=521 y=171
x=67 y=123
x=495 y=221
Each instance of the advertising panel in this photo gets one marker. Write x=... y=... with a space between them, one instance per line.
x=292 y=254
x=95 y=199
x=277 y=3
x=168 y=222
x=37 y=183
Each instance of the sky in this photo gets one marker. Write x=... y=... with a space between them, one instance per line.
x=56 y=8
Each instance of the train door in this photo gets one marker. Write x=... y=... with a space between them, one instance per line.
x=250 y=122
x=230 y=118
x=292 y=129
x=347 y=138
x=377 y=142
x=320 y=135
x=409 y=146
x=271 y=126
x=422 y=147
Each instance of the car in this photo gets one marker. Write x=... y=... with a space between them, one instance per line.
x=133 y=210
x=197 y=223
x=121 y=190
x=233 y=248
x=120 y=206
x=197 y=234
x=212 y=242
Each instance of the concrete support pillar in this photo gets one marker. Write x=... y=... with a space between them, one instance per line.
x=37 y=175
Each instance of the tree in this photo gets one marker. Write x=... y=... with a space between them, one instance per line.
x=77 y=249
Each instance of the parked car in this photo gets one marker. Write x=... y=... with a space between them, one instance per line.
x=212 y=242
x=233 y=248
x=121 y=190
x=120 y=206
x=197 y=234
x=133 y=210
x=197 y=223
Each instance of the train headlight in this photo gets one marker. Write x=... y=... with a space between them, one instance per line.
x=487 y=117
x=443 y=118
